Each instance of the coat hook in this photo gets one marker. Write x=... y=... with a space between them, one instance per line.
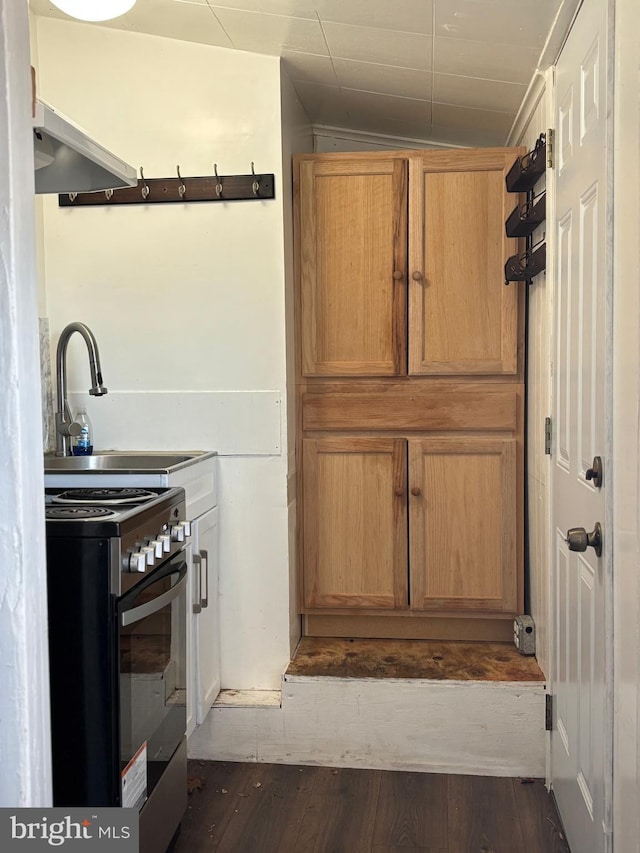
x=182 y=190
x=109 y=194
x=255 y=186
x=218 y=181
x=145 y=188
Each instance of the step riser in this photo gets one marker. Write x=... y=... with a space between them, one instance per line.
x=441 y=727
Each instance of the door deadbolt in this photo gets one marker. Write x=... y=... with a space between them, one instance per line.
x=595 y=472
x=579 y=540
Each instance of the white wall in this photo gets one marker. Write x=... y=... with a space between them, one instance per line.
x=25 y=779
x=626 y=422
x=185 y=298
x=328 y=139
x=538 y=402
x=296 y=138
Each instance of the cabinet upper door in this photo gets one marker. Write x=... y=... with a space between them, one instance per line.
x=353 y=266
x=463 y=525
x=462 y=318
x=355 y=522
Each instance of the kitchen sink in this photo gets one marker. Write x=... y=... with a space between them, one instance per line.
x=124 y=462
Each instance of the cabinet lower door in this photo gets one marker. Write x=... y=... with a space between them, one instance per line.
x=355 y=523
x=206 y=624
x=463 y=541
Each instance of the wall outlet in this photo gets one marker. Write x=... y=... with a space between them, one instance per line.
x=524 y=635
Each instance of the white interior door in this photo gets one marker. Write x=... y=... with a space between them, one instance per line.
x=581 y=741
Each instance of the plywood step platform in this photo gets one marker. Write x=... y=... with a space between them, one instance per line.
x=321 y=657
x=439 y=707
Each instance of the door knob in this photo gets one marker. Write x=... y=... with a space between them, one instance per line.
x=416 y=491
x=595 y=472
x=579 y=540
x=398 y=275
x=417 y=276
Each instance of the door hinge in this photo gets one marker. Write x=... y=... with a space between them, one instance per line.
x=550 y=141
x=548 y=712
x=547 y=436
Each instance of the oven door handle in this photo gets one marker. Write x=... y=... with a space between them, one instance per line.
x=171 y=567
x=135 y=614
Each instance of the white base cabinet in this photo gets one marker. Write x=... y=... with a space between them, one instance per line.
x=205 y=622
x=189 y=680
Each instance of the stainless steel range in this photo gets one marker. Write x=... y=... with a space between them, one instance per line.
x=117 y=581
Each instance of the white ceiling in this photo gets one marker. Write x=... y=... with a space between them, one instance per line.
x=441 y=70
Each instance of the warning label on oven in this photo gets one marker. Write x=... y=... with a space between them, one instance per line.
x=134 y=780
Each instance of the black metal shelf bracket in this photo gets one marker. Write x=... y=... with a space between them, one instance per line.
x=523 y=220
x=527 y=170
x=526 y=266
x=180 y=190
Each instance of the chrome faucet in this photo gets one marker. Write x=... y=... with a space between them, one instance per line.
x=65 y=425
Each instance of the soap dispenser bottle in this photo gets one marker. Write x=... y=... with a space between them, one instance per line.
x=83 y=443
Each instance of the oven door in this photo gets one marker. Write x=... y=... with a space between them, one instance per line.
x=153 y=644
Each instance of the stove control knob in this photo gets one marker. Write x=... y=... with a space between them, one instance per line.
x=149 y=553
x=166 y=542
x=187 y=527
x=177 y=532
x=137 y=562
x=156 y=544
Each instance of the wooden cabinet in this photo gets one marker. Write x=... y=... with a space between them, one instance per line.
x=353 y=251
x=462 y=320
x=462 y=524
x=456 y=500
x=409 y=389
x=355 y=522
x=425 y=233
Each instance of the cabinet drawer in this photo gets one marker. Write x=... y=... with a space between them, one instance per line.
x=200 y=484
x=441 y=407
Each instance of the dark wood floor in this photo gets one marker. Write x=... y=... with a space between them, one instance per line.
x=275 y=808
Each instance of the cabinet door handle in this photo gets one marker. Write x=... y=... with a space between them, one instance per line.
x=399 y=492
x=204 y=555
x=417 y=276
x=197 y=565
x=398 y=275
x=416 y=491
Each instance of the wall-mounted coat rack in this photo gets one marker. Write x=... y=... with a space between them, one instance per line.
x=525 y=218
x=179 y=190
